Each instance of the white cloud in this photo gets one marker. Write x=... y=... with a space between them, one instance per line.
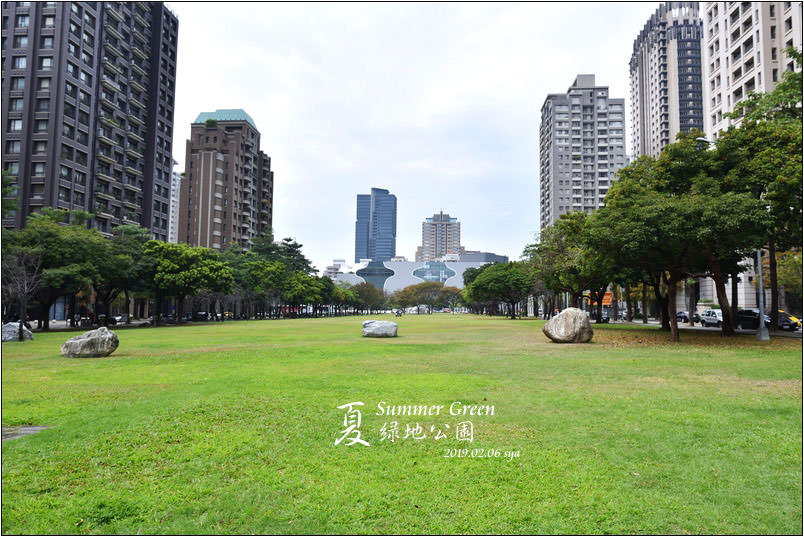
x=437 y=102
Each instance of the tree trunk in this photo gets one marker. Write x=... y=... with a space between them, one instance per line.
x=615 y=296
x=179 y=308
x=734 y=303
x=23 y=309
x=672 y=285
x=664 y=313
x=727 y=325
x=774 y=284
x=629 y=306
x=644 y=304
x=693 y=302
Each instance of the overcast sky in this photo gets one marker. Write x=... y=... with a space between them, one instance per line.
x=439 y=103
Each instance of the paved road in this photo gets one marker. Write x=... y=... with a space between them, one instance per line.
x=686 y=326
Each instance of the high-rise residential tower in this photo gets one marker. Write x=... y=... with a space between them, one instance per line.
x=173 y=218
x=745 y=48
x=582 y=138
x=441 y=235
x=666 y=78
x=227 y=190
x=87 y=106
x=375 y=227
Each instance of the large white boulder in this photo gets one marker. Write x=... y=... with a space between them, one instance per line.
x=569 y=326
x=379 y=329
x=11 y=332
x=92 y=344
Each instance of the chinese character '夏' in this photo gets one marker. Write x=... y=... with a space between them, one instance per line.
x=351 y=423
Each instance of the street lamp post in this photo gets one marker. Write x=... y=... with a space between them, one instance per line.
x=762 y=331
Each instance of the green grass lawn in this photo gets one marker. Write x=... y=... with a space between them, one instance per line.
x=230 y=428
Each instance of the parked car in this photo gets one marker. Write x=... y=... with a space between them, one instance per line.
x=749 y=318
x=712 y=318
x=684 y=317
x=786 y=321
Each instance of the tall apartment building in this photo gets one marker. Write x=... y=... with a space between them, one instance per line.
x=87 y=106
x=227 y=191
x=173 y=218
x=745 y=51
x=441 y=235
x=375 y=227
x=666 y=78
x=582 y=139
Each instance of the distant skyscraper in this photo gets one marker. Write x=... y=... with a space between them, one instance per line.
x=375 y=228
x=745 y=50
x=173 y=220
x=441 y=235
x=227 y=189
x=582 y=139
x=666 y=78
x=87 y=106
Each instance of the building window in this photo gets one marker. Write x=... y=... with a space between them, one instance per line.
x=84 y=98
x=39 y=147
x=20 y=41
x=66 y=152
x=86 y=58
x=15 y=125
x=43 y=84
x=47 y=41
x=65 y=172
x=72 y=69
x=16 y=105
x=46 y=62
x=22 y=21
x=48 y=21
x=86 y=78
x=19 y=62
x=81 y=158
x=13 y=146
x=773 y=32
x=82 y=137
x=42 y=105
x=40 y=125
x=38 y=169
x=79 y=178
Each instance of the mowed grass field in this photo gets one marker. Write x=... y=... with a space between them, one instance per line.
x=230 y=428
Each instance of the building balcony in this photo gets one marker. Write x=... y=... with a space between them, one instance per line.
x=110 y=84
x=113 y=49
x=139 y=37
x=136 y=119
x=137 y=86
x=104 y=195
x=139 y=52
x=109 y=64
x=133 y=171
x=113 y=31
x=114 y=14
x=136 y=67
x=111 y=104
x=136 y=102
x=103 y=138
x=135 y=136
x=131 y=186
x=138 y=18
x=133 y=153
x=130 y=204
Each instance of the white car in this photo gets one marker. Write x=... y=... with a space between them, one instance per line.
x=712 y=318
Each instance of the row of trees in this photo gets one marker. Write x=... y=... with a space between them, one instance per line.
x=57 y=255
x=701 y=209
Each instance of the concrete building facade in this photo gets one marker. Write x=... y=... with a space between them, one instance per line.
x=87 y=104
x=745 y=50
x=582 y=142
x=441 y=235
x=375 y=226
x=227 y=191
x=173 y=219
x=666 y=78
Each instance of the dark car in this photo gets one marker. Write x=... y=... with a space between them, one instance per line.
x=785 y=322
x=749 y=318
x=684 y=317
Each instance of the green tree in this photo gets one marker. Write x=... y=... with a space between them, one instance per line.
x=21 y=275
x=369 y=296
x=504 y=282
x=180 y=270
x=71 y=255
